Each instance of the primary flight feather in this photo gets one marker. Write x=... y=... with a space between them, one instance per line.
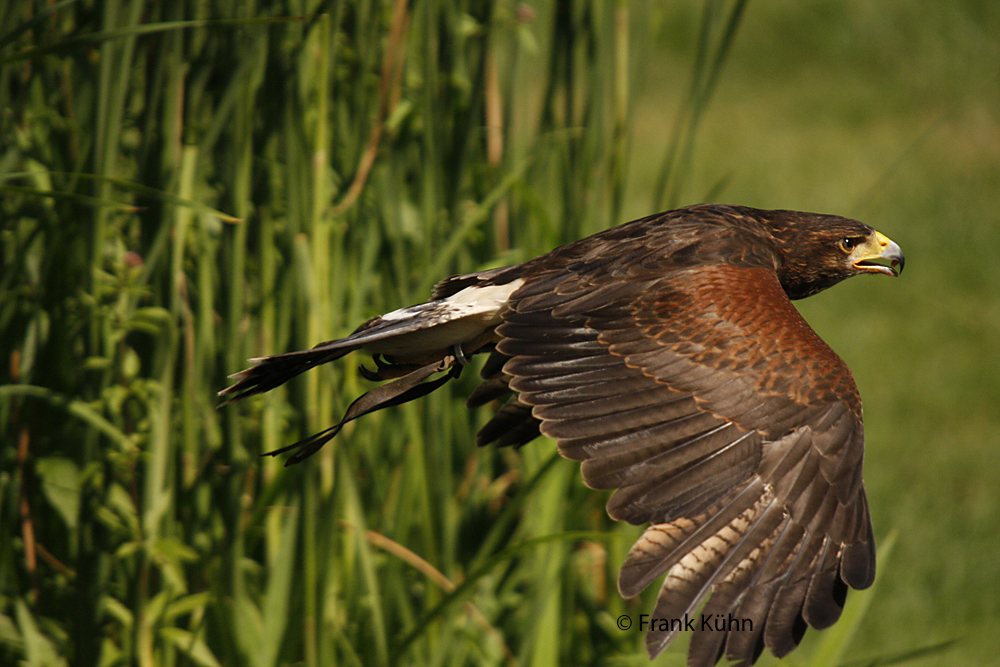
x=667 y=357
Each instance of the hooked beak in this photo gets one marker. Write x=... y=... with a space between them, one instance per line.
x=879 y=255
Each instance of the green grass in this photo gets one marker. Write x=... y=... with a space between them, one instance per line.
x=187 y=185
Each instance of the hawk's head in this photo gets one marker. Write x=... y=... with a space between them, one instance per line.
x=818 y=251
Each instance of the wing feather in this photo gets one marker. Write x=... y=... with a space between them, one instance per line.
x=716 y=414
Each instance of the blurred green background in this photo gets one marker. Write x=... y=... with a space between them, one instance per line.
x=185 y=185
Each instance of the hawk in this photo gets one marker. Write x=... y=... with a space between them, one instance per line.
x=666 y=356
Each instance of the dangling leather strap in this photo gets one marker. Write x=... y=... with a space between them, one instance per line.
x=397 y=392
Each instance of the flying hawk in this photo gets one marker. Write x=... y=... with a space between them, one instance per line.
x=667 y=357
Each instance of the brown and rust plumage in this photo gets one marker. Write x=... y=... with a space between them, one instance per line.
x=666 y=356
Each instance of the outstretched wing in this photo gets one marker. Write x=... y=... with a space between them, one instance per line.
x=722 y=419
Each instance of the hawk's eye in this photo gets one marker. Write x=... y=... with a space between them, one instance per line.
x=849 y=244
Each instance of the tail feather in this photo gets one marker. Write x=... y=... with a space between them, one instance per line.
x=399 y=325
x=270 y=372
x=408 y=345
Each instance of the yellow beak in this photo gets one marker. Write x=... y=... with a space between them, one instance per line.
x=872 y=255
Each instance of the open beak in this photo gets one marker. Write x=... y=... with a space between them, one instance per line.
x=879 y=255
